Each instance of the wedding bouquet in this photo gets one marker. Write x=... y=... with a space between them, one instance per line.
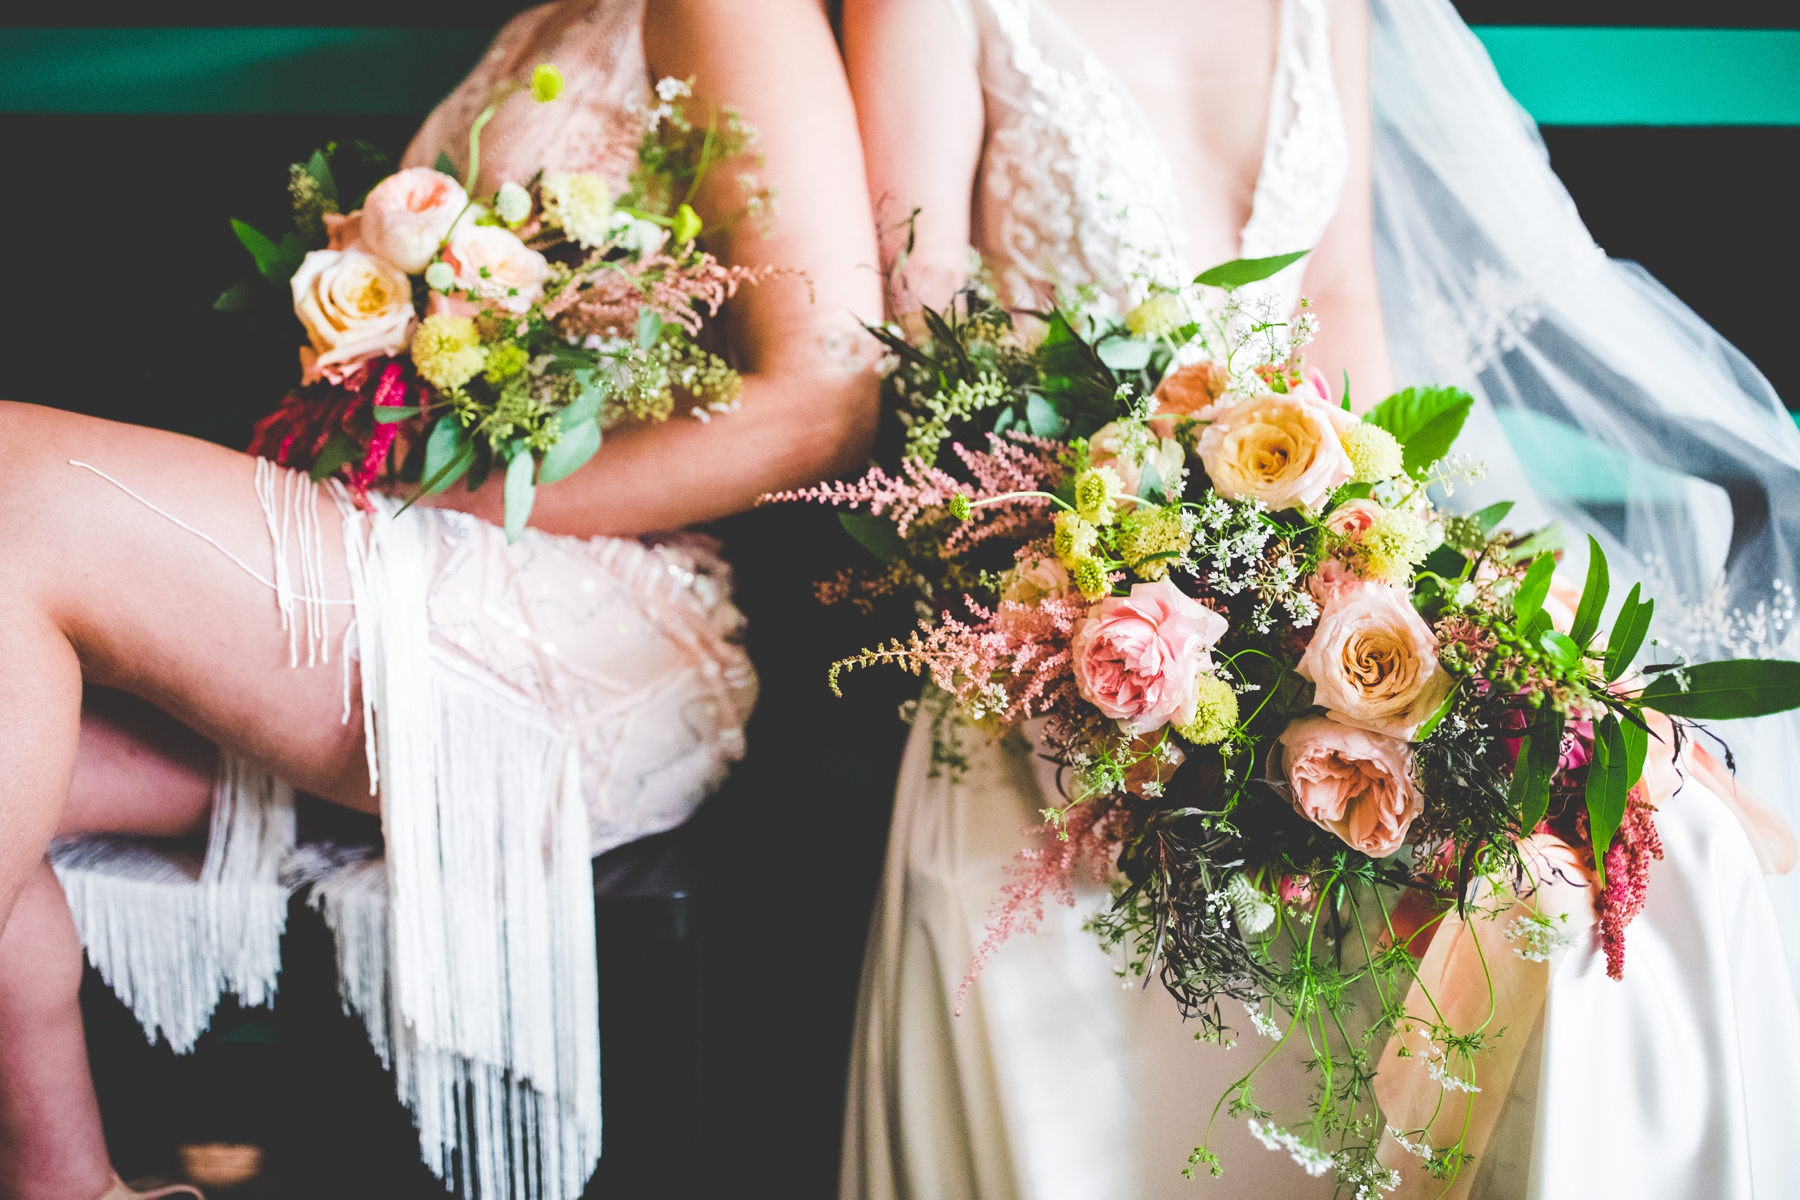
x=1299 y=708
x=451 y=337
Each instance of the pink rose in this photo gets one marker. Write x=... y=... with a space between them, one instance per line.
x=493 y=263
x=1137 y=657
x=409 y=214
x=1373 y=662
x=1353 y=517
x=1280 y=449
x=1355 y=783
x=1349 y=520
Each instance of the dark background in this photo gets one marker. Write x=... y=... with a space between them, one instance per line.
x=118 y=244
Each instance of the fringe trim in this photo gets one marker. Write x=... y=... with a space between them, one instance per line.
x=171 y=936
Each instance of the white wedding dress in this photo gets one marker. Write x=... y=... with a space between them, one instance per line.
x=1057 y=1082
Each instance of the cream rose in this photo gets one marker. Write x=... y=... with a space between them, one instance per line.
x=1129 y=448
x=492 y=262
x=354 y=306
x=1036 y=577
x=1282 y=450
x=409 y=214
x=1355 y=783
x=1373 y=662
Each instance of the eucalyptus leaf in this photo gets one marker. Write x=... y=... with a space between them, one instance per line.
x=393 y=414
x=579 y=442
x=1593 y=596
x=1489 y=518
x=443 y=165
x=1723 y=691
x=274 y=262
x=1124 y=354
x=1629 y=629
x=1607 y=788
x=649 y=327
x=1009 y=416
x=1043 y=419
x=319 y=167
x=1425 y=421
x=1528 y=601
x=875 y=534
x=1240 y=271
x=448 y=451
x=1150 y=482
x=520 y=492
x=236 y=298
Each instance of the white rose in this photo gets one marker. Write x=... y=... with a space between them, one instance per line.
x=354 y=306
x=1129 y=447
x=1282 y=450
x=1373 y=662
x=409 y=214
x=493 y=263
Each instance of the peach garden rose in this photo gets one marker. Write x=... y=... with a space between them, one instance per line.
x=1138 y=658
x=1373 y=662
x=494 y=263
x=354 y=306
x=407 y=216
x=1355 y=783
x=1280 y=449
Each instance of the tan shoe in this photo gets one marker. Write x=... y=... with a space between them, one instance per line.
x=118 y=1191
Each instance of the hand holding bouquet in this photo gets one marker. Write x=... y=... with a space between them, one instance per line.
x=1289 y=692
x=449 y=337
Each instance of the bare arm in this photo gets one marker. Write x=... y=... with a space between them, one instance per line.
x=918 y=102
x=1340 y=275
x=809 y=402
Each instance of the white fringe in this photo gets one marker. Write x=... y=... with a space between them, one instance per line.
x=171 y=936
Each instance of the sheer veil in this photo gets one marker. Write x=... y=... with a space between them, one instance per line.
x=1598 y=393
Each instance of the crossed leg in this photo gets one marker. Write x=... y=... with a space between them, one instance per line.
x=94 y=586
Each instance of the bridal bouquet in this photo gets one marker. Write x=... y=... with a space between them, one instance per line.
x=450 y=336
x=1299 y=709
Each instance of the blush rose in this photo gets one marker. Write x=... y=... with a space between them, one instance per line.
x=1352 y=782
x=408 y=215
x=1373 y=662
x=1138 y=658
x=1280 y=449
x=353 y=306
x=493 y=263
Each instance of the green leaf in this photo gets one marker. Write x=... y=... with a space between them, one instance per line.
x=1629 y=629
x=1425 y=421
x=1442 y=711
x=587 y=405
x=338 y=451
x=649 y=327
x=1008 y=417
x=520 y=491
x=1124 y=354
x=875 y=534
x=319 y=167
x=1446 y=561
x=1723 y=691
x=1540 y=753
x=444 y=165
x=1637 y=749
x=276 y=263
x=1043 y=419
x=393 y=414
x=1528 y=601
x=1593 y=595
x=1150 y=482
x=448 y=451
x=1345 y=402
x=1547 y=540
x=1607 y=788
x=1561 y=648
x=1239 y=271
x=1489 y=518
x=236 y=298
x=579 y=442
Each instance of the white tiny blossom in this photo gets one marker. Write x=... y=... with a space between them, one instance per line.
x=669 y=88
x=1263 y=1023
x=513 y=203
x=1313 y=1161
x=440 y=276
x=1539 y=936
x=1419 y=1149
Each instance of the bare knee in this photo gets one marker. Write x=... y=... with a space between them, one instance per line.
x=40 y=952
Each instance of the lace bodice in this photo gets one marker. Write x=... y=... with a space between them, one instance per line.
x=1076 y=192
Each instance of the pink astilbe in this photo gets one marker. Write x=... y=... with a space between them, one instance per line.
x=1635 y=847
x=1042 y=873
x=1016 y=464
x=606 y=301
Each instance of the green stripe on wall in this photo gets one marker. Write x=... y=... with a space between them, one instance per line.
x=1563 y=75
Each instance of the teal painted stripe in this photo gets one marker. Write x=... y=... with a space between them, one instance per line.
x=272 y=70
x=1616 y=76
x=1563 y=76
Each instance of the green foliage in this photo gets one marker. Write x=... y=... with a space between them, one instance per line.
x=1630 y=628
x=520 y=492
x=1528 y=601
x=1593 y=596
x=1539 y=753
x=274 y=262
x=237 y=297
x=1608 y=784
x=444 y=166
x=1722 y=691
x=448 y=452
x=875 y=534
x=1240 y=271
x=1425 y=421
x=338 y=451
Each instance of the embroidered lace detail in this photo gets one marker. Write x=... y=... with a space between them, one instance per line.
x=1078 y=194
x=1307 y=154
x=1473 y=330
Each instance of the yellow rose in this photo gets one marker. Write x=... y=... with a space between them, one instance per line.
x=1282 y=450
x=354 y=306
